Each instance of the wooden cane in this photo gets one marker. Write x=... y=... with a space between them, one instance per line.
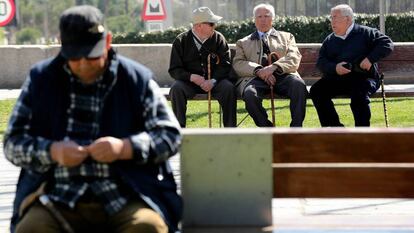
x=272 y=97
x=384 y=101
x=209 y=78
x=209 y=92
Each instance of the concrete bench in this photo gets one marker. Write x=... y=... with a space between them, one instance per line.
x=230 y=177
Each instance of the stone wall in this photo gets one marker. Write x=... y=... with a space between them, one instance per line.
x=15 y=62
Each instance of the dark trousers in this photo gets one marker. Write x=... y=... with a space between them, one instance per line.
x=224 y=91
x=290 y=86
x=88 y=217
x=357 y=87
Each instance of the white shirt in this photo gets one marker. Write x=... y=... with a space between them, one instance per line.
x=199 y=40
x=346 y=33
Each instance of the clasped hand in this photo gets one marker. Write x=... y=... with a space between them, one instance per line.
x=104 y=150
x=266 y=74
x=341 y=70
x=206 y=85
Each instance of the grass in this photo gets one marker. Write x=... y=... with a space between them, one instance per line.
x=6 y=107
x=400 y=113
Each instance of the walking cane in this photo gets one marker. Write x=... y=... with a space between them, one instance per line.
x=48 y=204
x=210 y=55
x=384 y=102
x=272 y=97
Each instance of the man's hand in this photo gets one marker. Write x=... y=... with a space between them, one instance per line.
x=271 y=80
x=342 y=70
x=207 y=85
x=197 y=79
x=109 y=149
x=365 y=64
x=68 y=153
x=266 y=72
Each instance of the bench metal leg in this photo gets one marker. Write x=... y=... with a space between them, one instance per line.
x=244 y=118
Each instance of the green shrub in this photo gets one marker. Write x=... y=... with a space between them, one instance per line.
x=400 y=27
x=121 y=23
x=2 y=35
x=28 y=36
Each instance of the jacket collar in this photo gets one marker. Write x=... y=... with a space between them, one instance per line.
x=272 y=33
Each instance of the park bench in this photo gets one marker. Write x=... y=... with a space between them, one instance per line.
x=230 y=177
x=398 y=69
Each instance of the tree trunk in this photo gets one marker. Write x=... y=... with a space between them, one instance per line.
x=127 y=7
x=46 y=22
x=103 y=6
x=241 y=8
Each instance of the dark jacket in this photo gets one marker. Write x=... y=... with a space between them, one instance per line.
x=122 y=117
x=186 y=59
x=362 y=42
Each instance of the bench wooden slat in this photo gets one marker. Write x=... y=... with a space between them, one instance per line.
x=351 y=147
x=402 y=52
x=343 y=182
x=400 y=91
x=236 y=169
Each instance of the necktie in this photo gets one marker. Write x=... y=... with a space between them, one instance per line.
x=266 y=50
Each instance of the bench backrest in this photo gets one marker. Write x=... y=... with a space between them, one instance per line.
x=236 y=173
x=398 y=67
x=343 y=163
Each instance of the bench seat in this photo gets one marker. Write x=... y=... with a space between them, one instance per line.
x=393 y=90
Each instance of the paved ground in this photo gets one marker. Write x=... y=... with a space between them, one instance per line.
x=8 y=178
x=289 y=215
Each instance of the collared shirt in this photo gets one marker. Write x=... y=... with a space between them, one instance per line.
x=71 y=183
x=262 y=35
x=346 y=33
x=197 y=40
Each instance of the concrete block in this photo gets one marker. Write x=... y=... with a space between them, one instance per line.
x=227 y=178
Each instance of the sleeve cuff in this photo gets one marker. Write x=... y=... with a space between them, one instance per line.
x=257 y=69
x=214 y=81
x=43 y=152
x=279 y=70
x=141 y=146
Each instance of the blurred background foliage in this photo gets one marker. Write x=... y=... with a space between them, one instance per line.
x=400 y=27
x=36 y=21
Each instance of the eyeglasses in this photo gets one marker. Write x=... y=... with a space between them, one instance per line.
x=336 y=18
x=210 y=24
x=266 y=16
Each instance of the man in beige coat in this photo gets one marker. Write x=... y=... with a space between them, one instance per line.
x=256 y=75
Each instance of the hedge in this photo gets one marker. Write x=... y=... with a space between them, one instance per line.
x=400 y=27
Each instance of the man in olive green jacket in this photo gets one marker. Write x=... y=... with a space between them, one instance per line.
x=256 y=75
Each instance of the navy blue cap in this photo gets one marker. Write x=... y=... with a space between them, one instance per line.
x=82 y=32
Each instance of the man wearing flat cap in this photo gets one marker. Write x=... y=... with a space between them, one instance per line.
x=189 y=67
x=93 y=136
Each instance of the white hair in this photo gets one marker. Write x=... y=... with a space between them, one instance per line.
x=266 y=6
x=345 y=10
